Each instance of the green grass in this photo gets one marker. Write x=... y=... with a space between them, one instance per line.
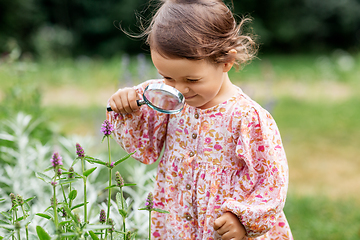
x=318 y=218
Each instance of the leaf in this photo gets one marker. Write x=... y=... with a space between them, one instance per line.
x=123 y=213
x=7 y=226
x=43 y=177
x=160 y=210
x=73 y=194
x=9 y=235
x=112 y=186
x=68 y=234
x=29 y=199
x=48 y=169
x=120 y=202
x=144 y=209
x=67 y=181
x=95 y=160
x=43 y=215
x=75 y=161
x=2 y=199
x=93 y=235
x=7 y=215
x=64 y=222
x=42 y=234
x=89 y=171
x=123 y=159
x=79 y=205
x=68 y=211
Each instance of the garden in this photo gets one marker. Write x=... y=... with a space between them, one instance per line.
x=62 y=176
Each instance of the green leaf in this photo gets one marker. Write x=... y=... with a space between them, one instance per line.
x=42 y=234
x=7 y=215
x=64 y=222
x=112 y=186
x=73 y=194
x=93 y=235
x=48 y=169
x=144 y=209
x=75 y=161
x=43 y=215
x=68 y=234
x=29 y=199
x=160 y=210
x=123 y=159
x=5 y=221
x=2 y=199
x=43 y=177
x=68 y=211
x=120 y=201
x=123 y=213
x=67 y=181
x=7 y=226
x=89 y=171
x=95 y=160
x=79 y=205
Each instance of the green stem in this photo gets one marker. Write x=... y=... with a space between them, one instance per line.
x=122 y=207
x=63 y=191
x=85 y=203
x=109 y=197
x=84 y=179
x=55 y=208
x=18 y=234
x=25 y=216
x=150 y=225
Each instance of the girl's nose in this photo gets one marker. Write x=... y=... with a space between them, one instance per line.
x=181 y=88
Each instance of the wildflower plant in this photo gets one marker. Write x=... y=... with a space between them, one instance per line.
x=62 y=218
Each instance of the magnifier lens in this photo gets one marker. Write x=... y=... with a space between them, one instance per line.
x=163 y=100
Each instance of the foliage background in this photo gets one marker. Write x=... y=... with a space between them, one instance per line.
x=89 y=27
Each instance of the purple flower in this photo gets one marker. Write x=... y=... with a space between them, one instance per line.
x=59 y=172
x=149 y=203
x=119 y=179
x=56 y=160
x=80 y=151
x=53 y=183
x=107 y=128
x=102 y=218
x=52 y=201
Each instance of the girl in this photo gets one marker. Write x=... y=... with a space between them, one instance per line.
x=223 y=173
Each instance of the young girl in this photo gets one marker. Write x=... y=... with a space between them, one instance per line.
x=223 y=173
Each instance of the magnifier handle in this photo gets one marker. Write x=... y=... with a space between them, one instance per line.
x=139 y=103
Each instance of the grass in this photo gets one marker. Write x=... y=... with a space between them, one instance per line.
x=314 y=100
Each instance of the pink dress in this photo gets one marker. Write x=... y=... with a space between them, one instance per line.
x=226 y=158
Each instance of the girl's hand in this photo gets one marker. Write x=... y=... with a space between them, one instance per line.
x=229 y=227
x=124 y=101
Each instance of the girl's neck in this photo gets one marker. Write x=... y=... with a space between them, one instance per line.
x=226 y=91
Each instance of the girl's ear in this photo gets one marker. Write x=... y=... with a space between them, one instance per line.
x=228 y=65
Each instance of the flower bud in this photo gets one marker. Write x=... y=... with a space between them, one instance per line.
x=107 y=128
x=149 y=203
x=80 y=151
x=119 y=179
x=102 y=218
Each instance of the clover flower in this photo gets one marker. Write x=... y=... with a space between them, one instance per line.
x=20 y=200
x=13 y=199
x=149 y=203
x=80 y=151
x=111 y=222
x=71 y=173
x=102 y=217
x=107 y=128
x=52 y=201
x=56 y=160
x=119 y=179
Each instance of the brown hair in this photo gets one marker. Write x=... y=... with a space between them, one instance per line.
x=199 y=29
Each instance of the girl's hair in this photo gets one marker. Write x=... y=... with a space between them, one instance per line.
x=199 y=29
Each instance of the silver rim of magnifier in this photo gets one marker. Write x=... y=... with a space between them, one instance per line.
x=168 y=89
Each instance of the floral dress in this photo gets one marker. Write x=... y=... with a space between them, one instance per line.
x=226 y=158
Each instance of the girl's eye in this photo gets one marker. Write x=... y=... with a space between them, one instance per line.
x=193 y=80
x=168 y=78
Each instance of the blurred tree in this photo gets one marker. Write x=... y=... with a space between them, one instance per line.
x=80 y=27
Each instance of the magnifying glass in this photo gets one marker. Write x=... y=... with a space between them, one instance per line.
x=162 y=98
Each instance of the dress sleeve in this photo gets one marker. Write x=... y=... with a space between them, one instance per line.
x=264 y=179
x=143 y=132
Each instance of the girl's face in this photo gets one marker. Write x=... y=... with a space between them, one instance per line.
x=203 y=84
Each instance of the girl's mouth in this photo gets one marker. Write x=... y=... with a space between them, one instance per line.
x=190 y=97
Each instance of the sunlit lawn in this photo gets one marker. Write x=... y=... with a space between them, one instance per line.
x=314 y=99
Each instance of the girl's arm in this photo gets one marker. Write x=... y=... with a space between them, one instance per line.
x=265 y=176
x=142 y=131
